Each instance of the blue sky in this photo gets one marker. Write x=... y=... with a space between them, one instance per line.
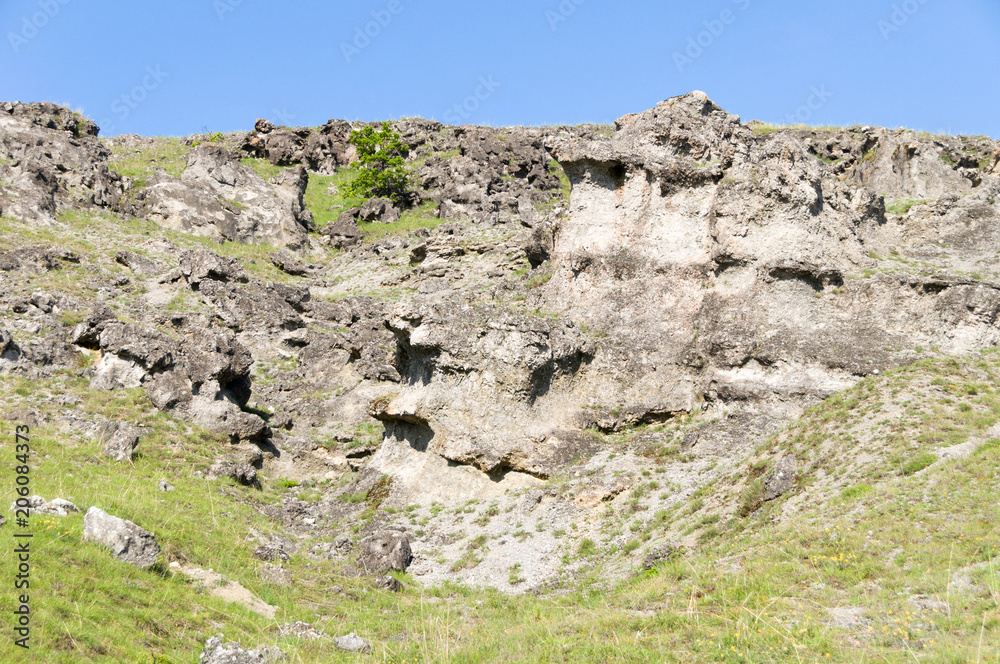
x=181 y=67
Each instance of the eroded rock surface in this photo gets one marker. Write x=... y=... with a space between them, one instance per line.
x=576 y=314
x=219 y=197
x=127 y=541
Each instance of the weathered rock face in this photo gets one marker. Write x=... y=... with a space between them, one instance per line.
x=384 y=552
x=492 y=175
x=121 y=441
x=321 y=151
x=720 y=264
x=51 y=161
x=219 y=197
x=474 y=379
x=203 y=376
x=701 y=267
x=128 y=542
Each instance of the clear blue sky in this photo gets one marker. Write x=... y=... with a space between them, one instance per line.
x=179 y=67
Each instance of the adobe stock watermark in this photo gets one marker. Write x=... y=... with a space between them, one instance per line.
x=33 y=24
x=901 y=15
x=562 y=13
x=364 y=35
x=123 y=106
x=701 y=42
x=458 y=113
x=817 y=100
x=283 y=116
x=223 y=7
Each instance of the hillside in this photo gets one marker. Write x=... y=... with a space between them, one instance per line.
x=681 y=389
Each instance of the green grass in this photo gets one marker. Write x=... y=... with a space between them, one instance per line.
x=763 y=129
x=169 y=154
x=326 y=207
x=419 y=217
x=538 y=280
x=918 y=463
x=902 y=206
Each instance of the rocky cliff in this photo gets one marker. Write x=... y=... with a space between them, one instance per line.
x=555 y=314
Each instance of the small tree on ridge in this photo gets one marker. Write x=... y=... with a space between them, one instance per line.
x=381 y=154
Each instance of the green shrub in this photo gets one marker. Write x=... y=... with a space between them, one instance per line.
x=752 y=497
x=381 y=154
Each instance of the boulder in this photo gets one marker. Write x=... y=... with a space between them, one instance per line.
x=343 y=233
x=139 y=264
x=781 y=479
x=271 y=553
x=37 y=505
x=275 y=575
x=201 y=265
x=385 y=551
x=301 y=630
x=659 y=554
x=379 y=210
x=121 y=442
x=389 y=583
x=219 y=197
x=218 y=652
x=8 y=349
x=353 y=643
x=288 y=263
x=241 y=473
x=128 y=542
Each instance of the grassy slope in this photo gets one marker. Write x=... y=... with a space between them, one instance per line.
x=874 y=537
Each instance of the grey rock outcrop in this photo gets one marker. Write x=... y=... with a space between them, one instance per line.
x=51 y=161
x=127 y=541
x=288 y=263
x=204 y=376
x=138 y=263
x=379 y=210
x=352 y=643
x=383 y=552
x=121 y=441
x=37 y=505
x=217 y=651
x=321 y=150
x=217 y=196
x=781 y=479
x=240 y=472
x=513 y=365
x=343 y=232
x=755 y=235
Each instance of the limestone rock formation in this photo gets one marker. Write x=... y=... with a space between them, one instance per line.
x=127 y=541
x=383 y=552
x=219 y=197
x=205 y=376
x=564 y=312
x=51 y=162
